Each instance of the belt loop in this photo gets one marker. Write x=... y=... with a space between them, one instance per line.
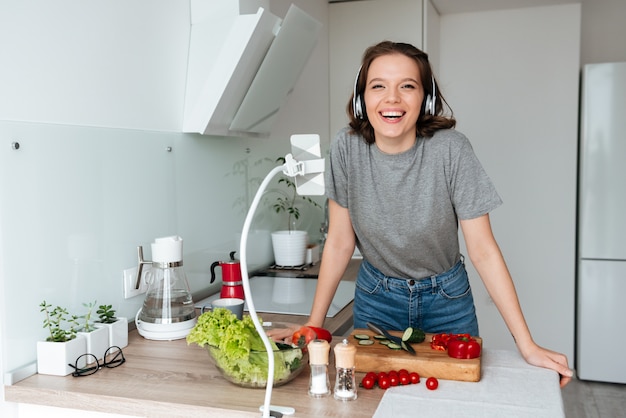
x=385 y=283
x=433 y=283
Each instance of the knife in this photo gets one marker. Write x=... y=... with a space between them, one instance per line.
x=392 y=338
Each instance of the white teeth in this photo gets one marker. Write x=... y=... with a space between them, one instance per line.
x=392 y=114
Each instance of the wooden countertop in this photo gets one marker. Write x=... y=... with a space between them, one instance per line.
x=173 y=379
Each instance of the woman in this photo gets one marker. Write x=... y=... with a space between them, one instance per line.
x=400 y=182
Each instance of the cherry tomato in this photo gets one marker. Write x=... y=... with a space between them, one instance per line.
x=381 y=374
x=394 y=380
x=372 y=375
x=368 y=382
x=401 y=371
x=405 y=379
x=383 y=382
x=432 y=383
x=415 y=377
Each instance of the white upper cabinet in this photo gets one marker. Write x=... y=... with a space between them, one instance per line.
x=178 y=66
x=114 y=63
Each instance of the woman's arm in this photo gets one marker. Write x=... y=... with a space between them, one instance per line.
x=486 y=257
x=338 y=250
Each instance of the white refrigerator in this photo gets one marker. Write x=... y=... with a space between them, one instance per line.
x=601 y=270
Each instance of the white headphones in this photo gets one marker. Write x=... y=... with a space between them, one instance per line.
x=358 y=104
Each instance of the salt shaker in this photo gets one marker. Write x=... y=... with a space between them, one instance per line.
x=345 y=383
x=319 y=385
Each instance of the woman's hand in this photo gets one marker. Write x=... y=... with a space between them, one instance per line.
x=542 y=357
x=283 y=335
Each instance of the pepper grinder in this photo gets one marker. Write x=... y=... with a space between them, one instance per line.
x=345 y=383
x=319 y=385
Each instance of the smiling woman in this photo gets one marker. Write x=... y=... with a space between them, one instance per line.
x=401 y=182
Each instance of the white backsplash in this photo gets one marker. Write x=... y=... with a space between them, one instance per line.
x=75 y=202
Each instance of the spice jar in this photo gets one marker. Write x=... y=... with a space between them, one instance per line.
x=319 y=385
x=345 y=382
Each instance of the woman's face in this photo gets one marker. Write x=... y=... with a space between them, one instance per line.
x=393 y=100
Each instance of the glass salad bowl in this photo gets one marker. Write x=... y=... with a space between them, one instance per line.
x=251 y=372
x=248 y=367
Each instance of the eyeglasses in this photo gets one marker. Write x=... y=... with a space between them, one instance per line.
x=113 y=357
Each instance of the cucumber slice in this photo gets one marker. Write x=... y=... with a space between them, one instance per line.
x=384 y=342
x=380 y=337
x=413 y=335
x=361 y=336
x=366 y=342
x=394 y=346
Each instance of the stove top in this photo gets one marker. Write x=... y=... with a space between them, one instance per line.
x=290 y=294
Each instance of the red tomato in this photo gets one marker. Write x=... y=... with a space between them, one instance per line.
x=415 y=377
x=405 y=379
x=381 y=374
x=383 y=382
x=372 y=375
x=432 y=383
x=401 y=371
x=394 y=380
x=368 y=381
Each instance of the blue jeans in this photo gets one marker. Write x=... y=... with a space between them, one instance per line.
x=436 y=304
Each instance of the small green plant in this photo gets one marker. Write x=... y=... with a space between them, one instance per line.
x=86 y=319
x=106 y=314
x=56 y=319
x=288 y=202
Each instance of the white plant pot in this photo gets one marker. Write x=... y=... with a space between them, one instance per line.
x=289 y=247
x=54 y=358
x=118 y=332
x=97 y=341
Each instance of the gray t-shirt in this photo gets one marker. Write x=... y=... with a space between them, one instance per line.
x=405 y=207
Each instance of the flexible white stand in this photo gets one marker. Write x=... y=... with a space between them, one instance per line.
x=291 y=168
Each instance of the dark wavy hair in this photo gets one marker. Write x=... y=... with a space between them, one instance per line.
x=426 y=125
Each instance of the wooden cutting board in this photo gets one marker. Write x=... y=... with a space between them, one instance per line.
x=428 y=362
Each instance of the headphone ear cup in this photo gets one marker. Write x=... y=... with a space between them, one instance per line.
x=359 y=112
x=429 y=105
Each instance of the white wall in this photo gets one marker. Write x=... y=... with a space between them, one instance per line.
x=512 y=80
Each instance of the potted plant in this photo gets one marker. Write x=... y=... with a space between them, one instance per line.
x=97 y=338
x=63 y=345
x=117 y=326
x=290 y=245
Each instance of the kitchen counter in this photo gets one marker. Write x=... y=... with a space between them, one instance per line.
x=173 y=379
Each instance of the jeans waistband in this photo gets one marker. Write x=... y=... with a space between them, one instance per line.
x=424 y=282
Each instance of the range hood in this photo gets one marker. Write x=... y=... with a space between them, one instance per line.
x=238 y=88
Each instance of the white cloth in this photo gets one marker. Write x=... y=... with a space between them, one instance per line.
x=509 y=387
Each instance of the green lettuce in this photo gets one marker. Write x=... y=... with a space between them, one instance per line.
x=238 y=349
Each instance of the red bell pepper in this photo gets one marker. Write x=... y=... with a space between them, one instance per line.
x=306 y=334
x=463 y=347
